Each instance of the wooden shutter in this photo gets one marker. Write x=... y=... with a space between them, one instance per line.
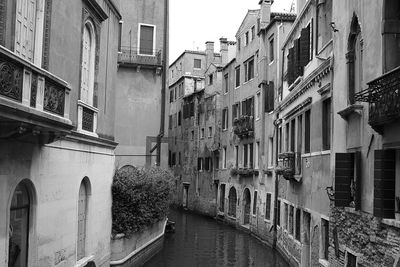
x=304 y=49
x=146 y=40
x=344 y=174
x=25 y=28
x=298 y=68
x=290 y=67
x=358 y=173
x=269 y=93
x=81 y=221
x=384 y=183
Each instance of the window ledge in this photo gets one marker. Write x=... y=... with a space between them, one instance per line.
x=271 y=62
x=84 y=261
x=231 y=217
x=83 y=104
x=391 y=222
x=237 y=87
x=324 y=262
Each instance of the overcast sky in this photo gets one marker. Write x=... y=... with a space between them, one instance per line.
x=193 y=22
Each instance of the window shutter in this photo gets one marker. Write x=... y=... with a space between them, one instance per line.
x=269 y=95
x=384 y=183
x=304 y=55
x=146 y=40
x=46 y=34
x=191 y=108
x=290 y=67
x=344 y=174
x=357 y=159
x=298 y=68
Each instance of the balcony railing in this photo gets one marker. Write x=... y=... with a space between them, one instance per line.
x=383 y=94
x=289 y=165
x=32 y=96
x=139 y=56
x=244 y=172
x=244 y=126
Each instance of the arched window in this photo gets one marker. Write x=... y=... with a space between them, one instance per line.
x=246 y=206
x=232 y=202
x=84 y=191
x=88 y=60
x=19 y=227
x=355 y=60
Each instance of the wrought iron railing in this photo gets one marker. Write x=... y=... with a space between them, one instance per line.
x=383 y=94
x=289 y=165
x=23 y=82
x=244 y=126
x=140 y=56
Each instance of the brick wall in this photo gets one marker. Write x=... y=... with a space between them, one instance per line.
x=375 y=243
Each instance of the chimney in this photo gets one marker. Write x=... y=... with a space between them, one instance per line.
x=224 y=50
x=265 y=12
x=209 y=52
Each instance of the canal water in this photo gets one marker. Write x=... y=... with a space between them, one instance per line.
x=200 y=241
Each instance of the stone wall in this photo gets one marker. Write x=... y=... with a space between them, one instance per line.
x=374 y=241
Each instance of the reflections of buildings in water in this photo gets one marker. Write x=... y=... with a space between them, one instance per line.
x=200 y=241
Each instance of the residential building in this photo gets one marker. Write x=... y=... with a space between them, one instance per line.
x=57 y=108
x=365 y=221
x=139 y=120
x=304 y=136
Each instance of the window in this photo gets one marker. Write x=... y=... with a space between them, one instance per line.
x=245 y=155
x=202 y=133
x=286 y=215
x=170 y=122
x=208 y=163
x=253 y=33
x=224 y=157
x=146 y=40
x=232 y=202
x=257 y=155
x=222 y=198
x=210 y=132
x=172 y=74
x=88 y=64
x=200 y=164
x=239 y=43
x=251 y=156
x=324 y=239
x=355 y=60
x=307 y=130
x=197 y=63
x=268 y=206
x=235 y=111
x=297 y=229
x=278 y=215
x=237 y=76
x=248 y=107
x=270 y=151
x=246 y=39
x=287 y=137
x=179 y=158
x=326 y=124
x=258 y=105
x=291 y=211
x=82 y=219
x=292 y=135
x=249 y=70
x=176 y=120
x=171 y=96
x=179 y=118
x=192 y=135
x=255 y=203
x=271 y=50
x=351 y=260
x=210 y=79
x=226 y=80
x=300 y=133
x=280 y=141
x=225 y=119
x=236 y=156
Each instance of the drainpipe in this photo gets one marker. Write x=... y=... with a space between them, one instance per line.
x=164 y=83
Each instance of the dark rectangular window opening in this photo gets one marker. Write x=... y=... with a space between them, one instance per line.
x=255 y=203
x=307 y=135
x=326 y=124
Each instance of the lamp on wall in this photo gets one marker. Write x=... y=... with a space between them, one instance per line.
x=333 y=26
x=330 y=192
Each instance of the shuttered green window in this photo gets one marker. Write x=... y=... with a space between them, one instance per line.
x=146 y=40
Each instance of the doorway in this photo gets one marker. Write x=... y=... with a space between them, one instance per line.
x=246 y=206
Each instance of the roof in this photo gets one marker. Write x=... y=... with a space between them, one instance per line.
x=229 y=63
x=249 y=12
x=203 y=53
x=279 y=17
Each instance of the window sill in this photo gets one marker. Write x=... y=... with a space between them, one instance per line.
x=231 y=217
x=237 y=87
x=324 y=262
x=82 y=262
x=87 y=133
x=391 y=222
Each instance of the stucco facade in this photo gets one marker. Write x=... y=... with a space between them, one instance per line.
x=57 y=133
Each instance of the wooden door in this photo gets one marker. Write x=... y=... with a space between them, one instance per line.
x=82 y=210
x=247 y=201
x=25 y=28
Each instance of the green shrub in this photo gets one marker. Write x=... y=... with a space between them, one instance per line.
x=140 y=198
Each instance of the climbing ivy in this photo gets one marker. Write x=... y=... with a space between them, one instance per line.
x=140 y=198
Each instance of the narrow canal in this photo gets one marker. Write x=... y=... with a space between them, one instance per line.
x=200 y=241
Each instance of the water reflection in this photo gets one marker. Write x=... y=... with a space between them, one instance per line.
x=200 y=241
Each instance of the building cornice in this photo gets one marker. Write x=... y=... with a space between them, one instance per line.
x=97 y=10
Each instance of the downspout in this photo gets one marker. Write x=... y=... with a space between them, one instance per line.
x=164 y=83
x=275 y=236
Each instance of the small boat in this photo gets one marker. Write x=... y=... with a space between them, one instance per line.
x=170 y=227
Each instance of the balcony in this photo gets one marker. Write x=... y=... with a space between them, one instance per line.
x=289 y=165
x=244 y=126
x=244 y=172
x=34 y=104
x=383 y=94
x=133 y=56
